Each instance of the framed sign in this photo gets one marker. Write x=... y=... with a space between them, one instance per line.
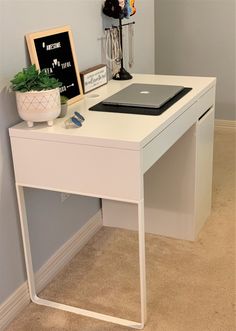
x=54 y=51
x=94 y=77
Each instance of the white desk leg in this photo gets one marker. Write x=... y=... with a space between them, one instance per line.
x=26 y=242
x=79 y=311
x=142 y=264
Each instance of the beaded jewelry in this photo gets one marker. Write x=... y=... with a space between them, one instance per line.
x=113 y=49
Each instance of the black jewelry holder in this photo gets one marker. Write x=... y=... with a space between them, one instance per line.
x=122 y=74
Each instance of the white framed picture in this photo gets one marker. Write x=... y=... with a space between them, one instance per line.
x=94 y=77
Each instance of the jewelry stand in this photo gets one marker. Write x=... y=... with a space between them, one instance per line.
x=122 y=74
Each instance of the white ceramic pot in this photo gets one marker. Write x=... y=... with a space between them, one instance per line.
x=39 y=106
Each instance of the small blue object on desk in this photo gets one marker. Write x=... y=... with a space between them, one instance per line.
x=79 y=116
x=75 y=121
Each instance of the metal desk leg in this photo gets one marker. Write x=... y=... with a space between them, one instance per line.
x=26 y=242
x=142 y=263
x=79 y=311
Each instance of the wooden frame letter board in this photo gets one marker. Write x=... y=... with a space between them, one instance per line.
x=54 y=51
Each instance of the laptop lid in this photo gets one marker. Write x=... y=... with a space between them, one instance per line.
x=143 y=95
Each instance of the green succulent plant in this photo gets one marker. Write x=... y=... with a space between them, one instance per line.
x=31 y=79
x=64 y=100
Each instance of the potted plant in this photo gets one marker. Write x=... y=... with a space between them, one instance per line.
x=64 y=100
x=37 y=95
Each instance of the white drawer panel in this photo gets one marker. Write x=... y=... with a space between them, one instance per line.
x=82 y=169
x=162 y=142
x=206 y=101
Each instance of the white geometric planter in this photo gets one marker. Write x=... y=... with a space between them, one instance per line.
x=39 y=106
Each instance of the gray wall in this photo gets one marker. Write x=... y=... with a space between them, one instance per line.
x=197 y=37
x=51 y=223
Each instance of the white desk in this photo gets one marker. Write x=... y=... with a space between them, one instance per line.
x=112 y=152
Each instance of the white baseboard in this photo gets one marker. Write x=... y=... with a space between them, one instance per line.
x=20 y=298
x=225 y=124
x=13 y=305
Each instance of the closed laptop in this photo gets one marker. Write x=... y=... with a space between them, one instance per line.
x=144 y=95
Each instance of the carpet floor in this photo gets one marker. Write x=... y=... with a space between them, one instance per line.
x=190 y=285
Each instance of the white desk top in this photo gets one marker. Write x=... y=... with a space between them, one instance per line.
x=126 y=131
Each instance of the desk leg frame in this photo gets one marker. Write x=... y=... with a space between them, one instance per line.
x=68 y=308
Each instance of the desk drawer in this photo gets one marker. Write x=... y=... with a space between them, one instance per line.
x=162 y=142
x=79 y=169
x=206 y=101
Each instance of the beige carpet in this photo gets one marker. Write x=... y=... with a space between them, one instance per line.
x=191 y=286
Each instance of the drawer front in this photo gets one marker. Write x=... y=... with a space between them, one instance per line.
x=206 y=101
x=79 y=169
x=161 y=143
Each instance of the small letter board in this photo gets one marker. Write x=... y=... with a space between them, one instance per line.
x=54 y=51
